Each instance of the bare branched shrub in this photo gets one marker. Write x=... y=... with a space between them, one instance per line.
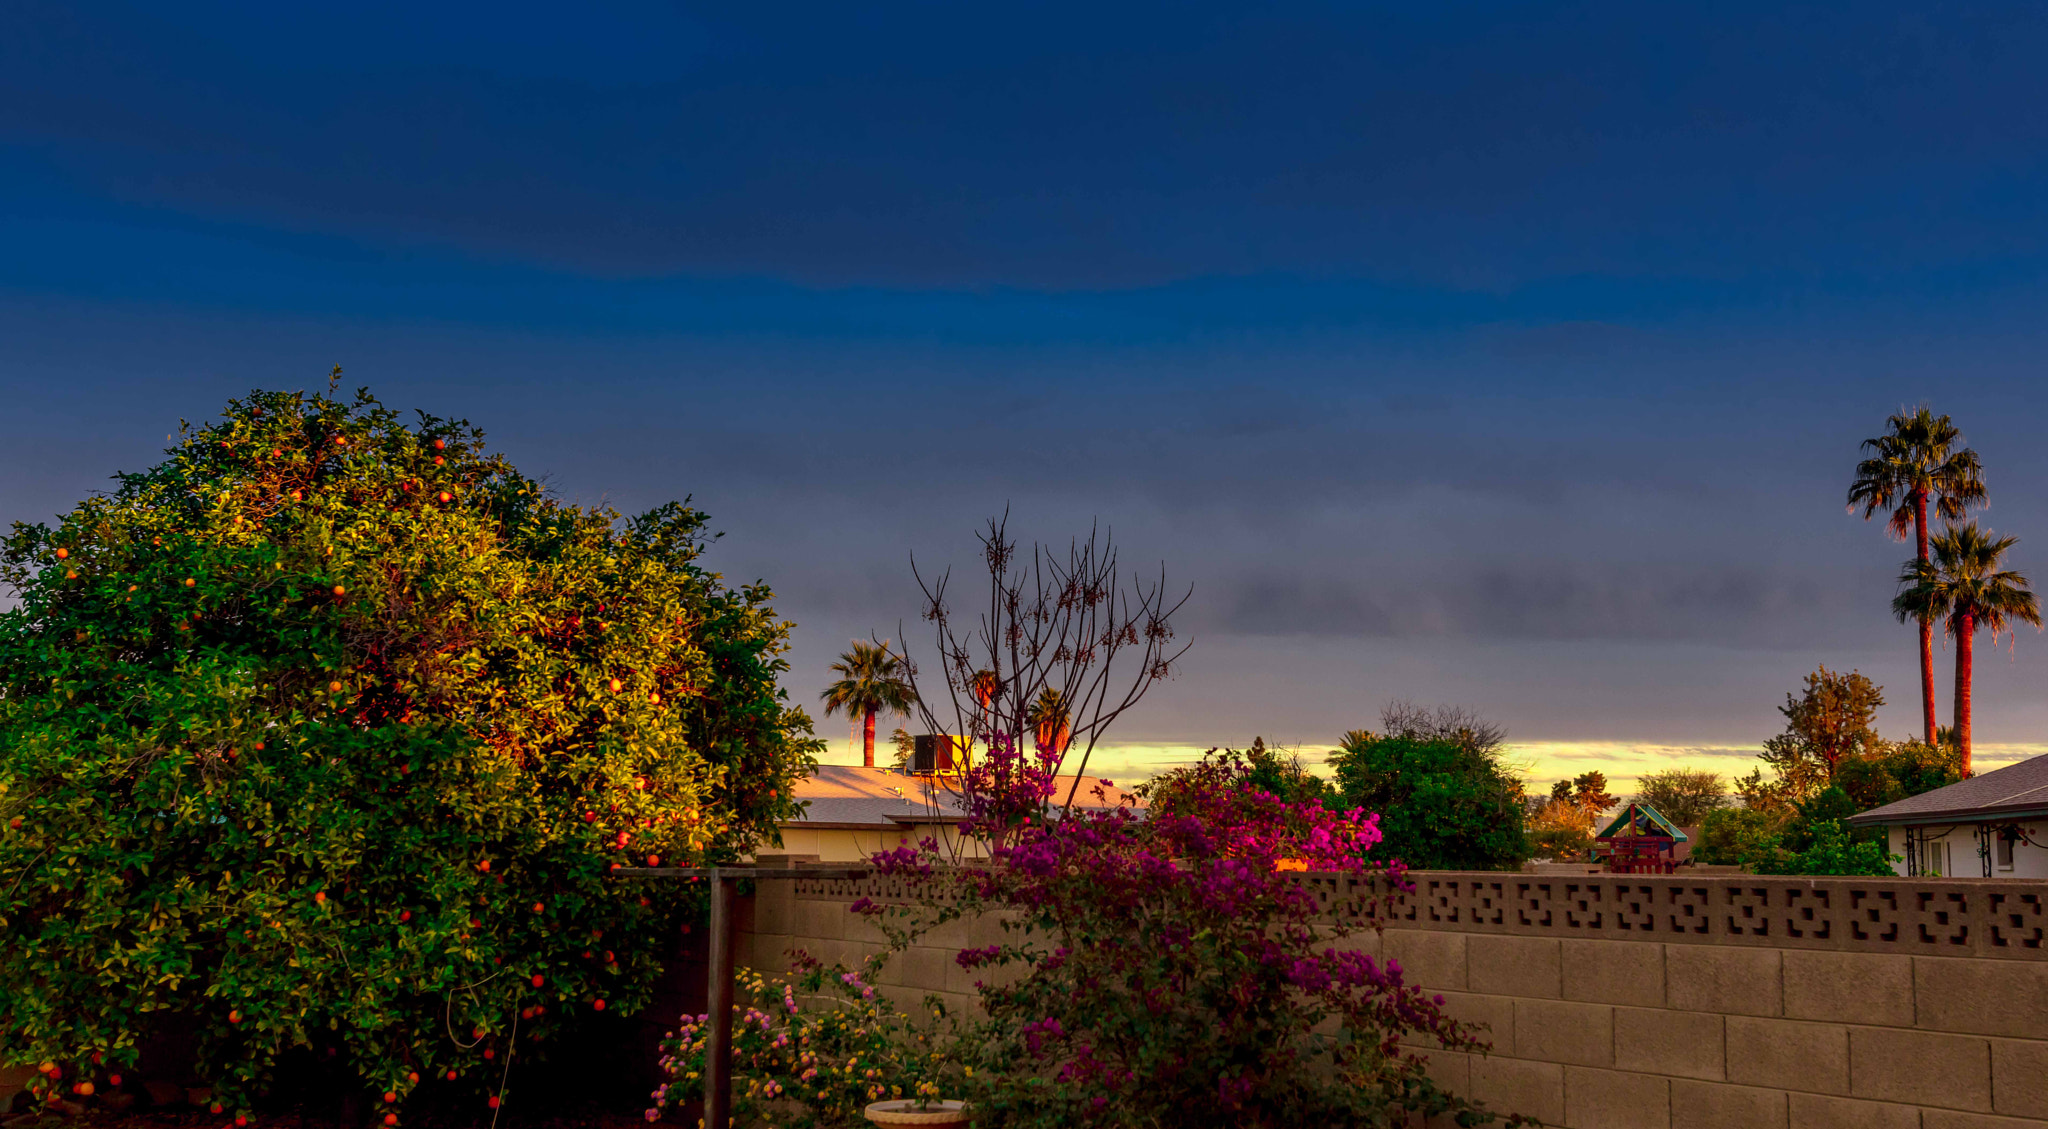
x=1059 y=647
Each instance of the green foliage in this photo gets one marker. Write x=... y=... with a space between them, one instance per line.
x=1893 y=772
x=1684 y=795
x=1283 y=775
x=324 y=732
x=1443 y=805
x=812 y=1050
x=1809 y=839
x=1830 y=849
x=1731 y=836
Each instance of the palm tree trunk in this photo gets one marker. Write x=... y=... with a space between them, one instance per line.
x=867 y=740
x=1966 y=630
x=1926 y=624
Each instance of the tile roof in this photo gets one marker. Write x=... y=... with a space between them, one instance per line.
x=854 y=796
x=2016 y=789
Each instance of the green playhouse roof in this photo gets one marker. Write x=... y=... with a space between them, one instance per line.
x=1638 y=818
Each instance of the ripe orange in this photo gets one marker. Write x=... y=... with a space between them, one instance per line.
x=617 y=685
x=494 y=1103
x=446 y=497
x=537 y=981
x=334 y=687
x=413 y=1077
x=320 y=897
x=538 y=908
x=598 y=1004
x=451 y=1076
x=83 y=1089
x=440 y=444
x=233 y=1017
x=484 y=866
x=191 y=582
x=391 y=1095
x=340 y=591
x=63 y=553
x=654 y=860
x=390 y=1119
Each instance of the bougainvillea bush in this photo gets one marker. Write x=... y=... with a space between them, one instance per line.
x=811 y=1049
x=324 y=732
x=1171 y=967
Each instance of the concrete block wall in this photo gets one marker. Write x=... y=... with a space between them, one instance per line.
x=1599 y=1034
x=1697 y=1027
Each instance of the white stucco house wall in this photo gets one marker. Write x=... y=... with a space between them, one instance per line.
x=1989 y=826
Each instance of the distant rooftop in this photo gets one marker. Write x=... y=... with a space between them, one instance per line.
x=2011 y=792
x=856 y=798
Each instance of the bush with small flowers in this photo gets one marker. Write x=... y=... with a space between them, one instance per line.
x=1168 y=968
x=810 y=1050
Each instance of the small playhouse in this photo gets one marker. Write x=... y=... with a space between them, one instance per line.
x=1639 y=841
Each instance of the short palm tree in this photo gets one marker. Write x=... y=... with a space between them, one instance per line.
x=871 y=680
x=1964 y=587
x=1918 y=461
x=1050 y=721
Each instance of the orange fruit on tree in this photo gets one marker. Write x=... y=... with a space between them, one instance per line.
x=63 y=553
x=391 y=1095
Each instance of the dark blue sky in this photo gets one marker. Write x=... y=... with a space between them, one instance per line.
x=1512 y=354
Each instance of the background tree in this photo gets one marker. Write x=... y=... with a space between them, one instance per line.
x=323 y=734
x=1561 y=830
x=1409 y=719
x=871 y=679
x=1444 y=803
x=1827 y=723
x=1587 y=790
x=1684 y=795
x=1964 y=587
x=1914 y=463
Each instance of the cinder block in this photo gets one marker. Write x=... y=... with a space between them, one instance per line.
x=1514 y=966
x=1615 y=1099
x=1951 y=1119
x=1788 y=1055
x=772 y=908
x=2019 y=1077
x=1364 y=941
x=1981 y=997
x=920 y=968
x=1431 y=960
x=1614 y=972
x=1450 y=1070
x=1710 y=1105
x=1495 y=1013
x=1562 y=1031
x=1682 y=1044
x=1813 y=1111
x=1728 y=980
x=1512 y=1085
x=1950 y=1071
x=1868 y=988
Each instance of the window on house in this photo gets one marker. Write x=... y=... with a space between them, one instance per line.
x=2002 y=848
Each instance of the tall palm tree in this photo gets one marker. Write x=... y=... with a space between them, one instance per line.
x=1964 y=587
x=871 y=680
x=1919 y=460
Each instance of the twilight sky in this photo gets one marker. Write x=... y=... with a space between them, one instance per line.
x=1507 y=354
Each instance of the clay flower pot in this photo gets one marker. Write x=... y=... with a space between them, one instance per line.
x=905 y=1111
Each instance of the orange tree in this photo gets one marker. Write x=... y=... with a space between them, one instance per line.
x=324 y=733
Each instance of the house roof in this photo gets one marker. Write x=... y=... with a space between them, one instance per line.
x=1637 y=811
x=855 y=797
x=2015 y=790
